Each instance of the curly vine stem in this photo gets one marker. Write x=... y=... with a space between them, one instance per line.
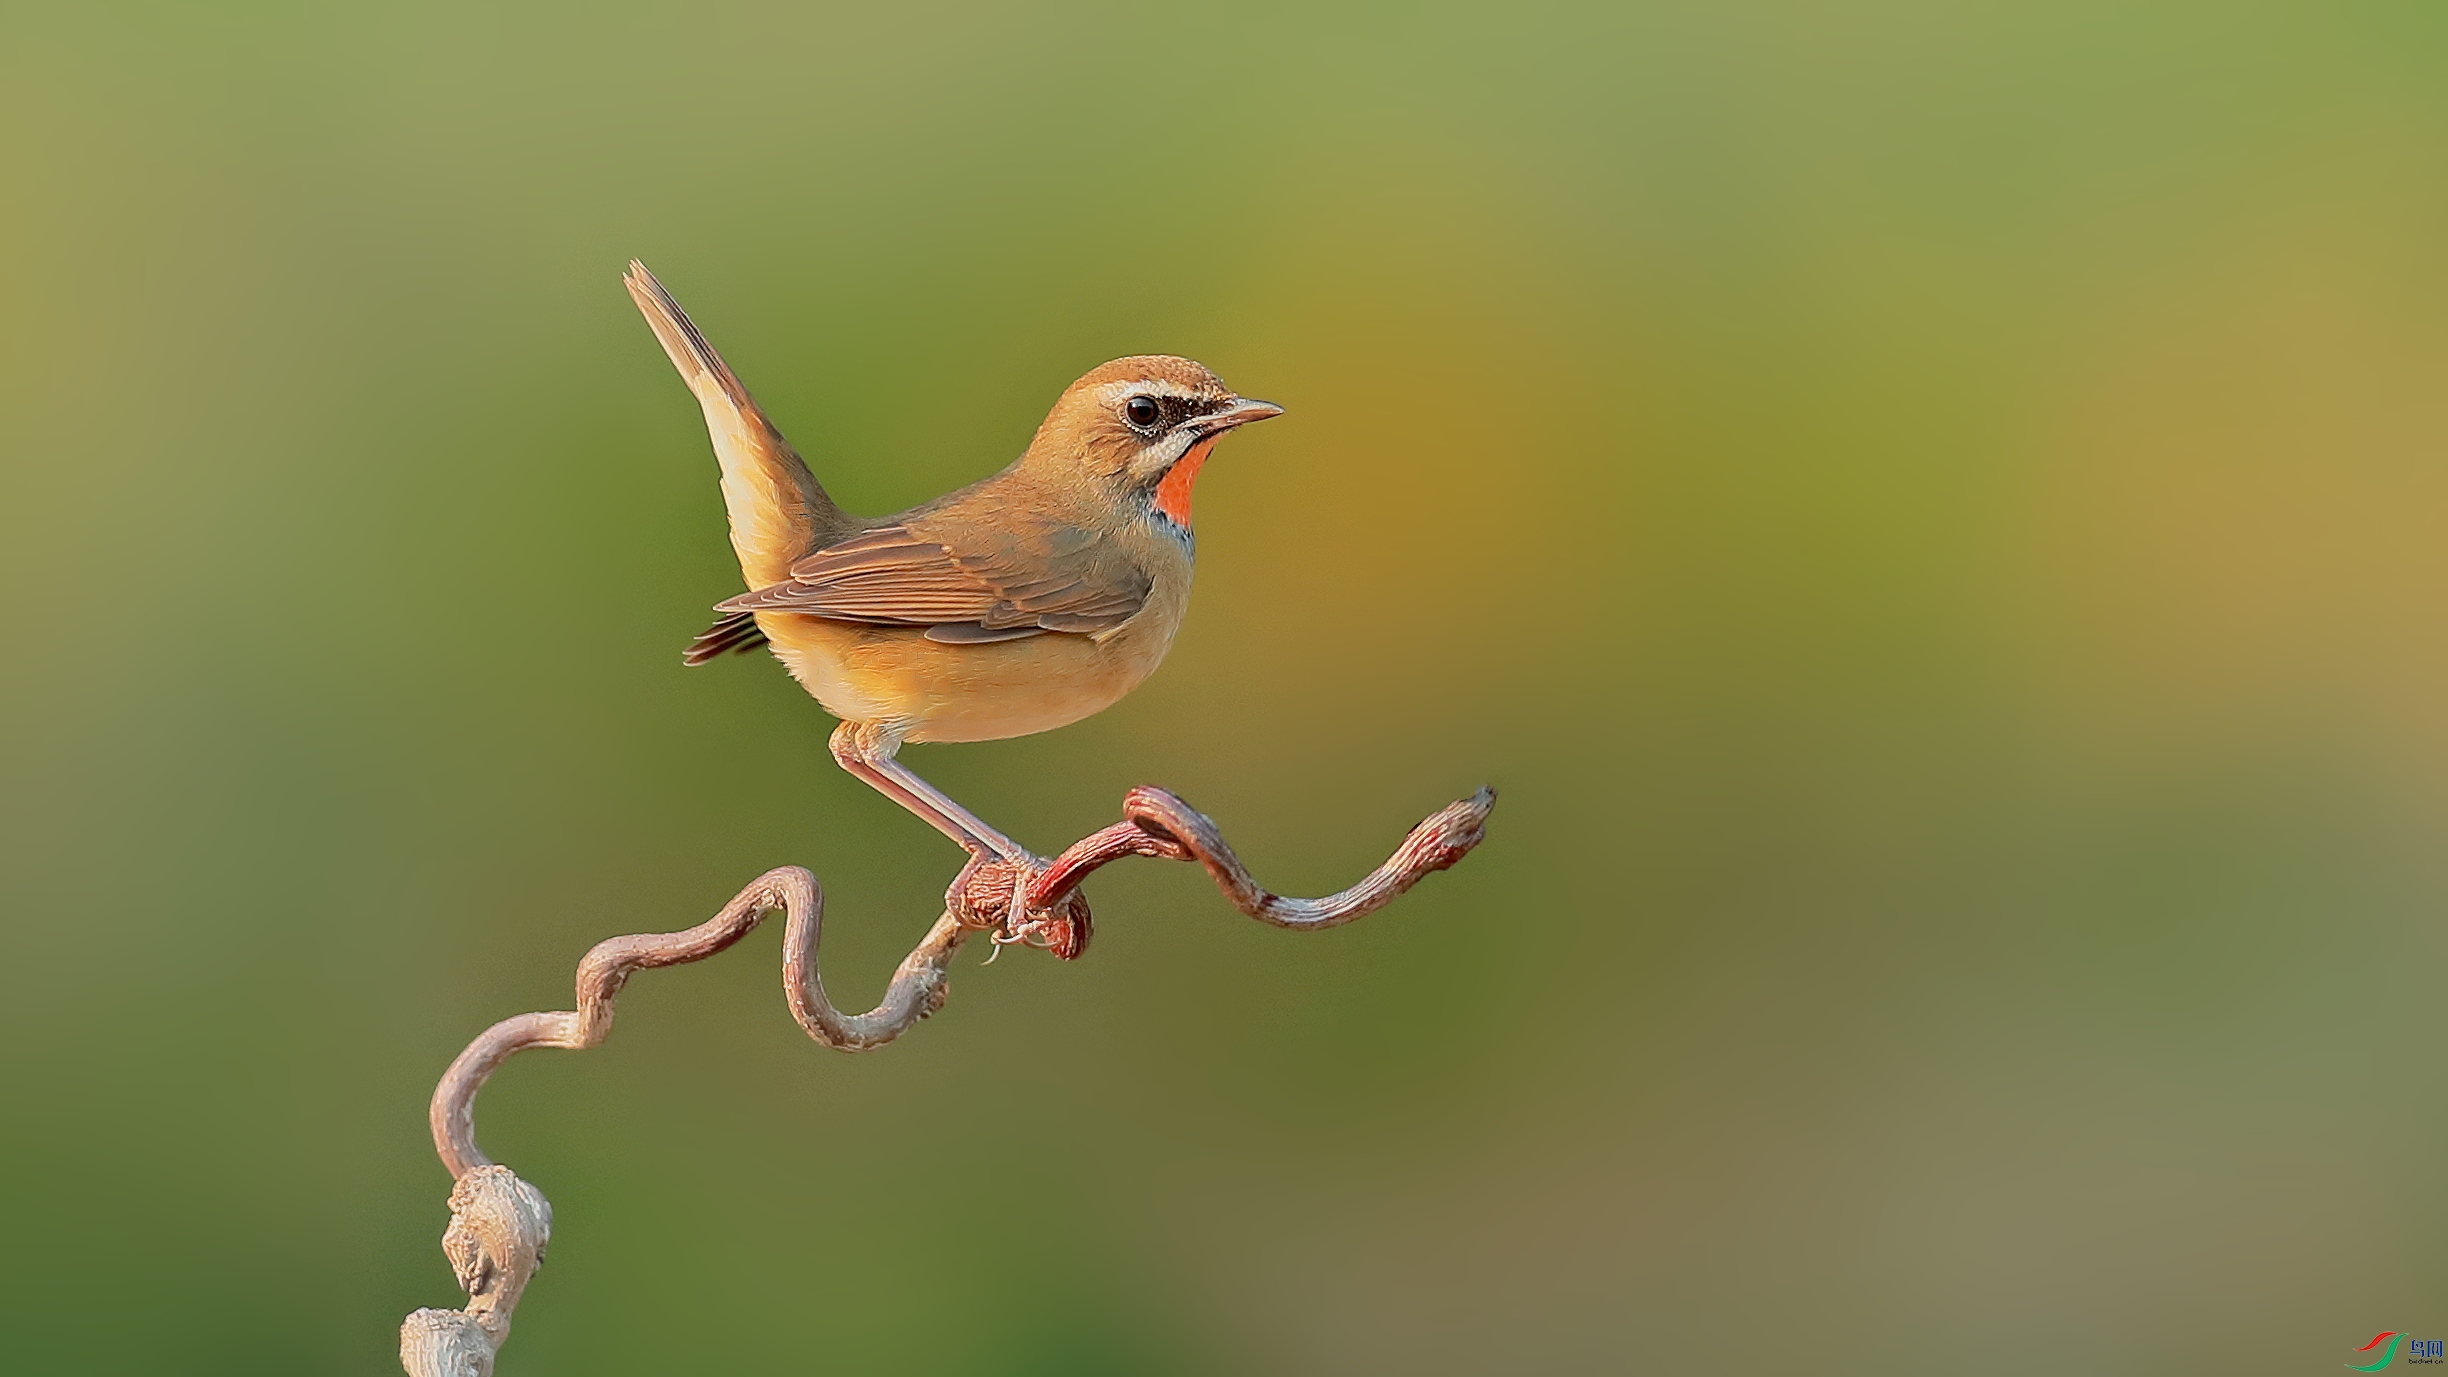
x=500 y=1224
x=917 y=990
x=1159 y=824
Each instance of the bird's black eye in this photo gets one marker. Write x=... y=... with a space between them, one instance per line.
x=1140 y=411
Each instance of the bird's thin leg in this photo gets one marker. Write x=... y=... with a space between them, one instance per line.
x=866 y=749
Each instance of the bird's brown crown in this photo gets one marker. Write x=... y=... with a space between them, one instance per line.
x=1163 y=372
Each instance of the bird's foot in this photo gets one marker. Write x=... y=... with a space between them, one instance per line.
x=992 y=896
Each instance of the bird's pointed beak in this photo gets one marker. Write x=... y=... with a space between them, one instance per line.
x=1240 y=413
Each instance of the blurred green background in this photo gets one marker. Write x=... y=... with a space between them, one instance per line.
x=1932 y=515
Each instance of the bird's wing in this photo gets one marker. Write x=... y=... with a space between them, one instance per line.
x=736 y=632
x=965 y=584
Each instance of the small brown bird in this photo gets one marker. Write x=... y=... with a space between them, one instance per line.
x=1023 y=602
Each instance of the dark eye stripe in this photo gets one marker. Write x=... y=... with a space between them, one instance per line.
x=1159 y=412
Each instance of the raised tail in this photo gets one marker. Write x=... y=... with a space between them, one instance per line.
x=778 y=510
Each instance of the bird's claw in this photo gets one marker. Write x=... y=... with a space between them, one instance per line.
x=992 y=896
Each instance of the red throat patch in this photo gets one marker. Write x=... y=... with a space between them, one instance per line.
x=1173 y=490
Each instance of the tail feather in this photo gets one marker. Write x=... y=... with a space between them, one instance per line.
x=682 y=342
x=779 y=512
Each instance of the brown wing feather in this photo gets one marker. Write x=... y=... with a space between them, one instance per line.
x=738 y=631
x=977 y=633
x=1051 y=577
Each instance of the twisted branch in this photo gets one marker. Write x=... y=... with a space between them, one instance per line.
x=501 y=1224
x=917 y=989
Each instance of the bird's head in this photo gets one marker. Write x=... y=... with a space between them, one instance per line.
x=1141 y=427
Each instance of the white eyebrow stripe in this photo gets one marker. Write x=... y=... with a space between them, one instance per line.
x=1152 y=387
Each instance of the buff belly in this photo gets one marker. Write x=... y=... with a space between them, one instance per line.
x=939 y=692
